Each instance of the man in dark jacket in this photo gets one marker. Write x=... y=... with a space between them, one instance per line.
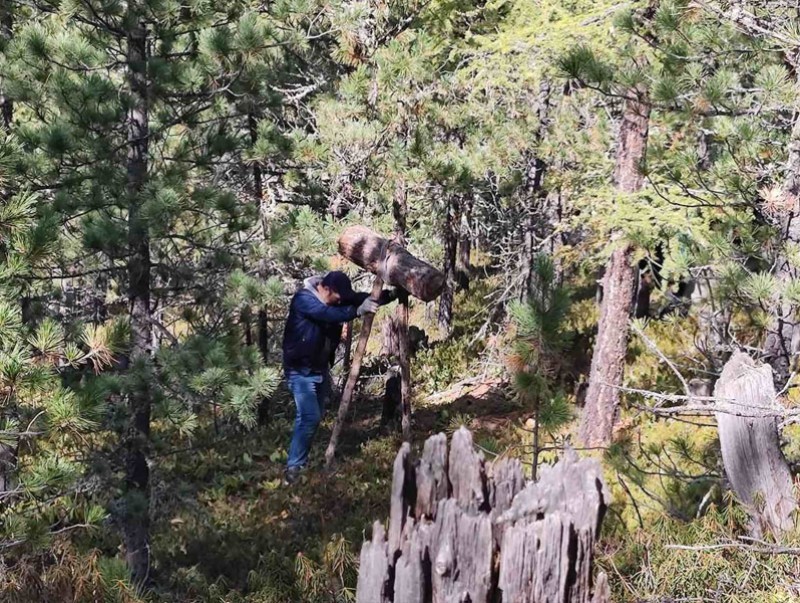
x=313 y=331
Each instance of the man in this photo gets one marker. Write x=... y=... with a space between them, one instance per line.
x=313 y=331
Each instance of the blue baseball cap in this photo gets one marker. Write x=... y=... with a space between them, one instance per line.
x=340 y=283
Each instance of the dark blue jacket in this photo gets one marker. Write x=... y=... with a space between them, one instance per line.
x=313 y=329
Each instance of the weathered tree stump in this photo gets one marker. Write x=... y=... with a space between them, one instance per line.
x=390 y=261
x=751 y=453
x=464 y=530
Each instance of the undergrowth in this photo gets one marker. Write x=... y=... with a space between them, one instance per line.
x=226 y=530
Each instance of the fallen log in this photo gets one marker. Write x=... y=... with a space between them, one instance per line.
x=391 y=262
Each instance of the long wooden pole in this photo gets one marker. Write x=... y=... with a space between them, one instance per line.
x=355 y=369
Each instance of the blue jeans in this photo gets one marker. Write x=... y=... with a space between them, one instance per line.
x=311 y=392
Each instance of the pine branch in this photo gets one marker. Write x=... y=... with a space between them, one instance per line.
x=748 y=23
x=635 y=328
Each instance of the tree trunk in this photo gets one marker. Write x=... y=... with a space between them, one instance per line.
x=258 y=190
x=450 y=248
x=8 y=452
x=263 y=326
x=534 y=193
x=8 y=465
x=751 y=453
x=395 y=265
x=391 y=335
x=619 y=285
x=347 y=335
x=465 y=245
x=405 y=367
x=783 y=334
x=390 y=338
x=136 y=522
x=6 y=27
x=553 y=217
x=493 y=536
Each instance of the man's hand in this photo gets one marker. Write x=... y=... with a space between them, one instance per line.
x=368 y=306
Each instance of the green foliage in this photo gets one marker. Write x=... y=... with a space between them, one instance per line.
x=44 y=423
x=202 y=375
x=440 y=366
x=270 y=128
x=650 y=567
x=540 y=338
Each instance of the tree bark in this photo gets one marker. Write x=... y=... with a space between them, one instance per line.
x=450 y=251
x=405 y=366
x=783 y=333
x=8 y=452
x=535 y=193
x=392 y=330
x=492 y=536
x=400 y=211
x=6 y=27
x=136 y=522
x=619 y=285
x=395 y=265
x=390 y=339
x=751 y=453
x=465 y=245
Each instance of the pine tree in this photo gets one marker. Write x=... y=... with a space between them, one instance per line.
x=132 y=176
x=540 y=341
x=44 y=421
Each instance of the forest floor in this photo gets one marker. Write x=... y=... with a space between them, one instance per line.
x=226 y=530
x=225 y=526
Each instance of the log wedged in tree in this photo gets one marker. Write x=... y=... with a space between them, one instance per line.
x=452 y=554
x=751 y=453
x=395 y=265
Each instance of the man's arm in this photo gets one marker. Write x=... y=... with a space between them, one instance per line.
x=311 y=307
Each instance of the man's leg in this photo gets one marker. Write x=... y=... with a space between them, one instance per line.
x=304 y=388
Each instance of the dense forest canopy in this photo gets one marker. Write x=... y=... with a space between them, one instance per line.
x=609 y=189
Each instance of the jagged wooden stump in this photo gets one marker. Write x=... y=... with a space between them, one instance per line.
x=751 y=452
x=464 y=530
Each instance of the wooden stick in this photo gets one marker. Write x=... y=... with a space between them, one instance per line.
x=348 y=349
x=355 y=369
x=405 y=368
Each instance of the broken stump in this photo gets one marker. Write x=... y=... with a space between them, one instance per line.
x=464 y=530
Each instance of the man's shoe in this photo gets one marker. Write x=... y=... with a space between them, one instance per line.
x=291 y=475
